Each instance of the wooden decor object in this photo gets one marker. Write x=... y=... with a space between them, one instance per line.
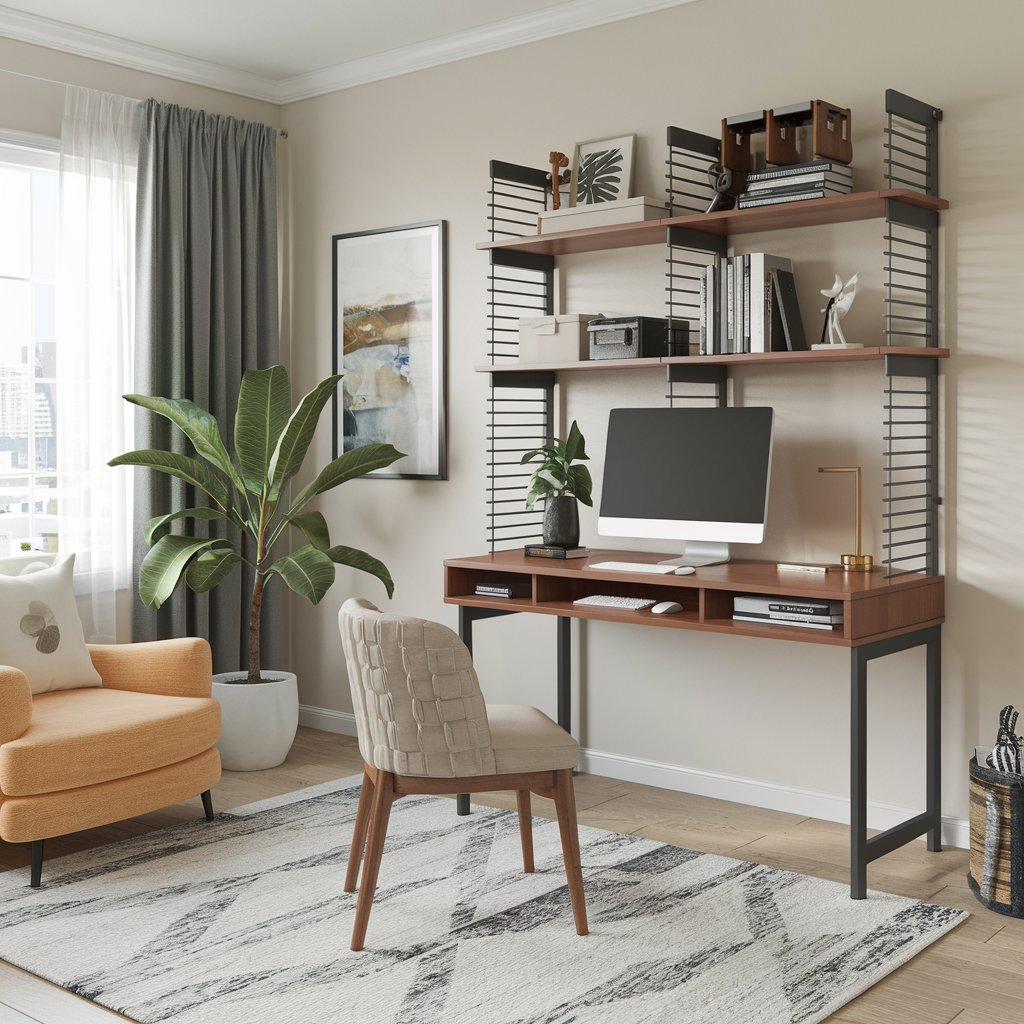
x=737 y=134
x=830 y=132
x=558 y=176
x=830 y=137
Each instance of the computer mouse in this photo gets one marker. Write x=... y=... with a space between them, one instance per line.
x=685 y=570
x=665 y=607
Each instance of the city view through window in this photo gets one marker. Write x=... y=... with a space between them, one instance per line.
x=29 y=480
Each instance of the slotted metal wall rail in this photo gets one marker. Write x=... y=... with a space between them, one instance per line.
x=911 y=483
x=520 y=406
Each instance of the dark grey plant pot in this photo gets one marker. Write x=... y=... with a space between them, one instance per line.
x=561 y=521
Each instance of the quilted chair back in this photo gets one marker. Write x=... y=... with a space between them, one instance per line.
x=416 y=697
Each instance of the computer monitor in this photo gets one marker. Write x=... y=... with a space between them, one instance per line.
x=693 y=475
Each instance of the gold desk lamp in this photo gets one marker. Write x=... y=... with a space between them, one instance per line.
x=857 y=562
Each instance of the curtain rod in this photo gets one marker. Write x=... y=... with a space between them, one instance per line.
x=282 y=133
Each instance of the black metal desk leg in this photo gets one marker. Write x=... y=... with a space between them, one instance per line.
x=467 y=616
x=858 y=774
x=933 y=750
x=565 y=673
x=466 y=636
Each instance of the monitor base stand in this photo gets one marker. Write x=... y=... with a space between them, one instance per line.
x=699 y=554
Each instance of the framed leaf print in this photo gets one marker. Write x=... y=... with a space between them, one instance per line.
x=389 y=342
x=602 y=171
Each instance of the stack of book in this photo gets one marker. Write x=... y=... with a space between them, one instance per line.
x=807 y=613
x=815 y=179
x=748 y=303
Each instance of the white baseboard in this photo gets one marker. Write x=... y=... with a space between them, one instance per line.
x=756 y=792
x=342 y=722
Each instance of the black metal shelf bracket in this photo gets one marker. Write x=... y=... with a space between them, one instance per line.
x=910 y=295
x=520 y=406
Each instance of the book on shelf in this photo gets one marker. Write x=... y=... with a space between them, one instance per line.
x=831 y=620
x=766 y=603
x=797 y=182
x=509 y=589
x=749 y=202
x=743 y=308
x=781 y=622
x=823 y=166
x=785 y=304
x=553 y=551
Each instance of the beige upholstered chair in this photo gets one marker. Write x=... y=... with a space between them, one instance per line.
x=424 y=728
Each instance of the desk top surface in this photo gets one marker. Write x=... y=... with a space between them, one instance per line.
x=762 y=577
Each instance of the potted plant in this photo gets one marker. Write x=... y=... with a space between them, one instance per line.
x=249 y=492
x=561 y=484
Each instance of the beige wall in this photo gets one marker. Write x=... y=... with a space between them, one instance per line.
x=416 y=148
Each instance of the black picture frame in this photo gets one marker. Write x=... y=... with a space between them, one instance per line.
x=390 y=340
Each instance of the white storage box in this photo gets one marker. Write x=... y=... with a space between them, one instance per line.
x=555 y=339
x=598 y=215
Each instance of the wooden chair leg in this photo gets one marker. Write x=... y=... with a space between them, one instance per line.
x=525 y=828
x=383 y=797
x=355 y=854
x=565 y=806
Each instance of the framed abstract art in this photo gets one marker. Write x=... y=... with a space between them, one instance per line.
x=389 y=342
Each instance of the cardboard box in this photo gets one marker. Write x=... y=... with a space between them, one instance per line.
x=597 y=215
x=555 y=339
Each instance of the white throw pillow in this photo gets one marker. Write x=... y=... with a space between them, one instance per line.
x=41 y=631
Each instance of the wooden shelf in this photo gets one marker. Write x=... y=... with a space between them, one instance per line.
x=847 y=355
x=806 y=213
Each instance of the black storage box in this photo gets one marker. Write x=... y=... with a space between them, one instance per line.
x=637 y=337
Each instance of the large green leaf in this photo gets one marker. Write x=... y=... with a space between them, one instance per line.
x=264 y=405
x=294 y=442
x=197 y=425
x=361 y=560
x=314 y=528
x=575 y=446
x=154 y=524
x=581 y=484
x=210 y=568
x=307 y=571
x=162 y=567
x=352 y=464
x=192 y=471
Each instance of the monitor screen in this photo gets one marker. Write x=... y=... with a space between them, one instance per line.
x=687 y=474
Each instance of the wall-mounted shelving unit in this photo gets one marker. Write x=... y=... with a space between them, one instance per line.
x=521 y=283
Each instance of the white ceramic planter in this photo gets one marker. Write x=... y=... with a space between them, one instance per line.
x=258 y=720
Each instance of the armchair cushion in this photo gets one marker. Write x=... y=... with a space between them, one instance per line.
x=83 y=737
x=41 y=632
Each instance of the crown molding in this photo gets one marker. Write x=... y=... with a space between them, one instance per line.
x=567 y=17
x=57 y=35
x=501 y=35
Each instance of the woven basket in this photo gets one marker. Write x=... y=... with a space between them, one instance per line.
x=996 y=873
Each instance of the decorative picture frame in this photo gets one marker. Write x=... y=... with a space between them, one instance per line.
x=390 y=341
x=602 y=171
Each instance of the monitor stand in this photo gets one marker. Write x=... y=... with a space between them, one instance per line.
x=701 y=553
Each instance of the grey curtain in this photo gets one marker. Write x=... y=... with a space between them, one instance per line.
x=206 y=310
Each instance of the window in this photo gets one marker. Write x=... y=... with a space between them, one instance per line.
x=29 y=482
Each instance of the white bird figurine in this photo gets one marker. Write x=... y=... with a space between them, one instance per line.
x=840 y=298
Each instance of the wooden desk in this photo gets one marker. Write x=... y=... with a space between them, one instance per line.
x=881 y=617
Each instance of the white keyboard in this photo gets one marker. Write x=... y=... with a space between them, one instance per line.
x=649 y=567
x=632 y=603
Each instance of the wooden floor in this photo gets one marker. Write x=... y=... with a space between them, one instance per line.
x=974 y=975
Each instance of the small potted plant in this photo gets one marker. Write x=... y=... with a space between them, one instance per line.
x=249 y=492
x=561 y=484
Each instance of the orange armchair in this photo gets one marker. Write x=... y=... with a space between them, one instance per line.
x=78 y=759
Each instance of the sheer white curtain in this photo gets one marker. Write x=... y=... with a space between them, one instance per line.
x=95 y=329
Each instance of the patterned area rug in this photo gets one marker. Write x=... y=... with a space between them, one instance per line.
x=243 y=919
